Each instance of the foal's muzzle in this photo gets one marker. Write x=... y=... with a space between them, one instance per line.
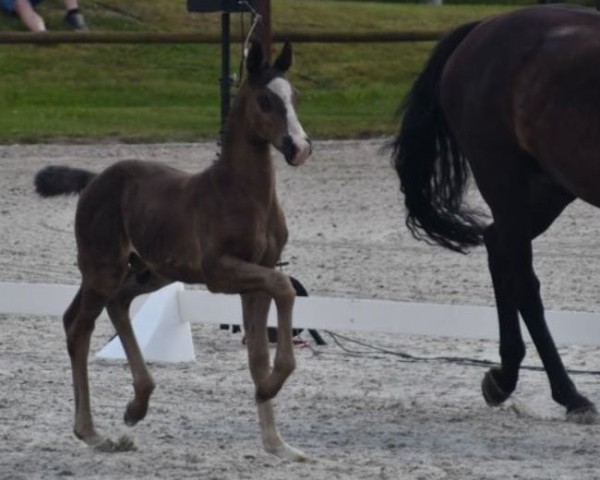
x=296 y=150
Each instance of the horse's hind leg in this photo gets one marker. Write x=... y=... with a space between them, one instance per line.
x=499 y=383
x=79 y=321
x=118 y=311
x=525 y=212
x=546 y=201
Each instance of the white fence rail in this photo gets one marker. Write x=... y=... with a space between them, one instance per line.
x=162 y=320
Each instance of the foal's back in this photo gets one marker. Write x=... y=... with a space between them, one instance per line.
x=136 y=206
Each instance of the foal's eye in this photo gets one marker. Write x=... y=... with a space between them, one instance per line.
x=265 y=103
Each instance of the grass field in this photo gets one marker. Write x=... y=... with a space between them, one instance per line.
x=138 y=93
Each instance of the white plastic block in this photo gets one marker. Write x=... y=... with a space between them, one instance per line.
x=160 y=332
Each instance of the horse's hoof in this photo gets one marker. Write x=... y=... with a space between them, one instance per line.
x=134 y=413
x=493 y=393
x=584 y=414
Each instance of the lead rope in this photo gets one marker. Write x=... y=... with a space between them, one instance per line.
x=256 y=19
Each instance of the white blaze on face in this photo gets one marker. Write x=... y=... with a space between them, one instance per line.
x=282 y=88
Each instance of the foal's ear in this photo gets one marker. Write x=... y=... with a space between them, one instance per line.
x=284 y=60
x=255 y=60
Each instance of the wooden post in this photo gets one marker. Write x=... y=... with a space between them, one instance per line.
x=263 y=29
x=225 y=81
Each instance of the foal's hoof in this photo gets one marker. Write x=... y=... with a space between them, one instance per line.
x=106 y=445
x=493 y=393
x=286 y=452
x=134 y=413
x=584 y=414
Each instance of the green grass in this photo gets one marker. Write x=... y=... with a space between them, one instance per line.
x=153 y=93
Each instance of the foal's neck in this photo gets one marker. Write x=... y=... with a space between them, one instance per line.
x=243 y=152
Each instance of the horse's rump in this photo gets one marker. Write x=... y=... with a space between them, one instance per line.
x=518 y=100
x=528 y=81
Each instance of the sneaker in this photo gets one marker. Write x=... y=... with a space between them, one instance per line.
x=76 y=21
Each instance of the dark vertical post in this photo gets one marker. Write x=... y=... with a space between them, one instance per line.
x=263 y=29
x=225 y=73
x=226 y=7
x=597 y=4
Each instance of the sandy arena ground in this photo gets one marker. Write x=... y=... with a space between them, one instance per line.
x=368 y=416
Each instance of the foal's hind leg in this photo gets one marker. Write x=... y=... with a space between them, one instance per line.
x=118 y=311
x=525 y=212
x=79 y=321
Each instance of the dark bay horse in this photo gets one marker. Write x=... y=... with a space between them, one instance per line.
x=515 y=100
x=142 y=225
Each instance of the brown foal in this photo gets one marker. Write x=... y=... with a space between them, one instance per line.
x=142 y=225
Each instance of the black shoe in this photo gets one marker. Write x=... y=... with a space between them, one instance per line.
x=76 y=21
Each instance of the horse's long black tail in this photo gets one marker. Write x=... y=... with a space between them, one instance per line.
x=432 y=169
x=58 y=180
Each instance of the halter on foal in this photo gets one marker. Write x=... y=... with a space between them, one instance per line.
x=142 y=225
x=515 y=100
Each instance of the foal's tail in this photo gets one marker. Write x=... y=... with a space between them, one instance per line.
x=58 y=180
x=432 y=169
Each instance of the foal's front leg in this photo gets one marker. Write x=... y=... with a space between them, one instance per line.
x=255 y=311
x=260 y=284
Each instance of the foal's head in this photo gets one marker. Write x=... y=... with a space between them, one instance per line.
x=271 y=105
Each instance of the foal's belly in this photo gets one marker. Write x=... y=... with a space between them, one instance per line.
x=168 y=251
x=181 y=273
x=177 y=260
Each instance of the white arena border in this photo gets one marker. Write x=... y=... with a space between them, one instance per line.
x=162 y=320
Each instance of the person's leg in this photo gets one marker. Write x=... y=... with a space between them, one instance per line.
x=74 y=17
x=29 y=16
